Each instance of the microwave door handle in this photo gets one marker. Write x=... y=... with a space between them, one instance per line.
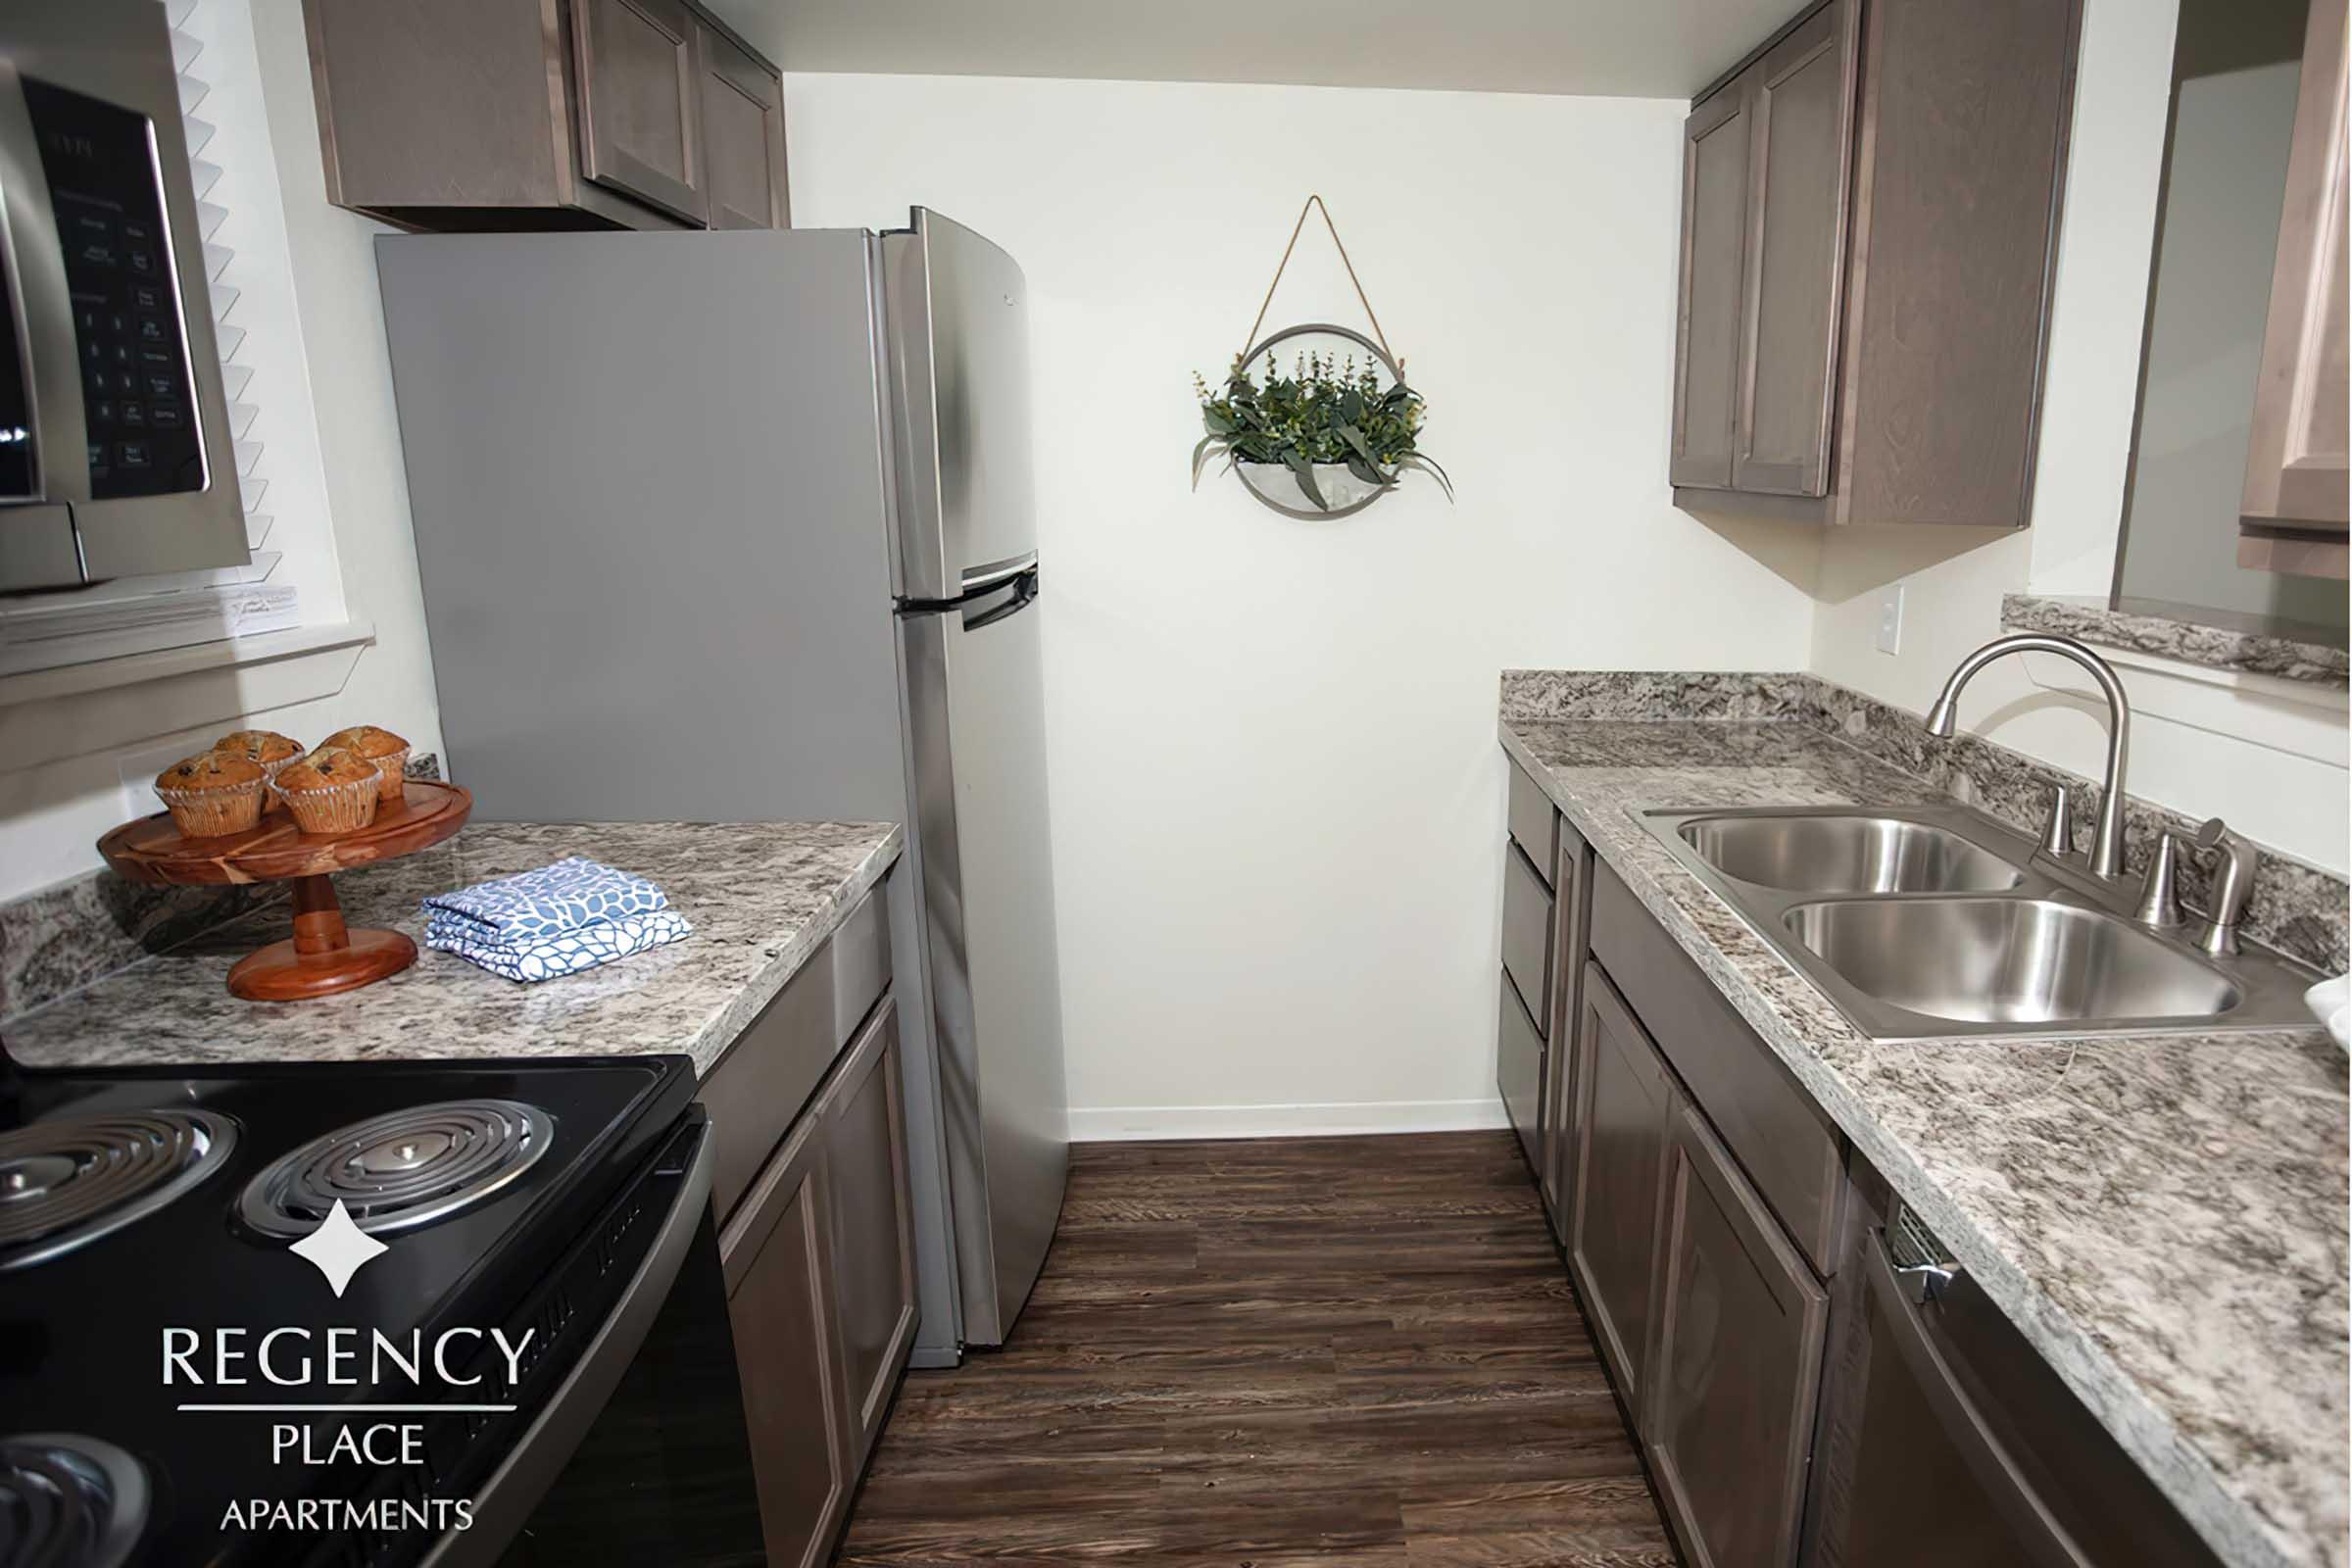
x=41 y=304
x=2046 y=1542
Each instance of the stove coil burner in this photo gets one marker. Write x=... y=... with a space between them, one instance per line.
x=398 y=1171
x=69 y=1502
x=67 y=1182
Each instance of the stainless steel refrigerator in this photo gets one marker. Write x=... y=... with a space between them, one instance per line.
x=737 y=527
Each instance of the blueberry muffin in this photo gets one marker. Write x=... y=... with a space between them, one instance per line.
x=387 y=751
x=331 y=791
x=212 y=794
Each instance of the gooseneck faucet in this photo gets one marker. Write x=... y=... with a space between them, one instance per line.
x=2107 y=846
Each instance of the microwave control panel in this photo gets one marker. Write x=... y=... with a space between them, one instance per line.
x=137 y=398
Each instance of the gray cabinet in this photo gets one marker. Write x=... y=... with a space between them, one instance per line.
x=1519 y=1070
x=486 y=114
x=777 y=1254
x=1800 y=108
x=864 y=1124
x=639 y=89
x=1733 y=1361
x=817 y=1245
x=1870 y=220
x=1526 y=1046
x=1624 y=1097
x=1706 y=352
x=743 y=135
x=1572 y=896
x=2294 y=509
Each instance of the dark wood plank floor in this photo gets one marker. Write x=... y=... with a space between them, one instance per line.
x=1350 y=1350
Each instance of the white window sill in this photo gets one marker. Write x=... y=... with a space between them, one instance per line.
x=105 y=704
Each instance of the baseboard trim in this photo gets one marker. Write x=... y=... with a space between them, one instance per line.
x=1118 y=1123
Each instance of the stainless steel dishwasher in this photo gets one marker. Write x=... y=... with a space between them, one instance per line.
x=1947 y=1442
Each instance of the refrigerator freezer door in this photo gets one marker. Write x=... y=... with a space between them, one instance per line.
x=958 y=361
x=975 y=703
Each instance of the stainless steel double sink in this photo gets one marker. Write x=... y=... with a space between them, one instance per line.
x=1936 y=921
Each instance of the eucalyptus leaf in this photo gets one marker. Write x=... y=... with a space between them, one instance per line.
x=1306 y=473
x=1200 y=454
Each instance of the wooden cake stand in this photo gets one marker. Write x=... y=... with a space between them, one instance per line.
x=323 y=957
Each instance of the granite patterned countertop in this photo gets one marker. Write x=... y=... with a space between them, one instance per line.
x=762 y=895
x=2164 y=1216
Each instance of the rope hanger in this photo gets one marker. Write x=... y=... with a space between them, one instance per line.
x=1315 y=204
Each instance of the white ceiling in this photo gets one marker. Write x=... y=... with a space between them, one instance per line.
x=1647 y=48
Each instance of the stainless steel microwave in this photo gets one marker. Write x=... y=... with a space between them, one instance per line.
x=115 y=453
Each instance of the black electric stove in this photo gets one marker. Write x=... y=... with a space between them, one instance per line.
x=149 y=1231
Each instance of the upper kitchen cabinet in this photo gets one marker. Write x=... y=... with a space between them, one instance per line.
x=2294 y=512
x=488 y=115
x=1869 y=220
x=743 y=135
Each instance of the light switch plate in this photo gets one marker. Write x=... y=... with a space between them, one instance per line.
x=1891 y=619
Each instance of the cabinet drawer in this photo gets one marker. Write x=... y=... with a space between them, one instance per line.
x=1527 y=936
x=1519 y=1071
x=768 y=1074
x=1534 y=821
x=1790 y=1150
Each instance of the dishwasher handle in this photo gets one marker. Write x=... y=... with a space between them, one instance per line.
x=2039 y=1533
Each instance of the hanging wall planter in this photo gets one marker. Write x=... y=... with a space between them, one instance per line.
x=1317 y=421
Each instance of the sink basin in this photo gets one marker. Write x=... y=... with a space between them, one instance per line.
x=2008 y=960
x=1823 y=854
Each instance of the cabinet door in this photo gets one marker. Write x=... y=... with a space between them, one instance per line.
x=639 y=129
x=1735 y=1363
x=1800 y=141
x=1624 y=1096
x=1573 y=887
x=864 y=1132
x=1706 y=341
x=779 y=1259
x=743 y=135
x=2295 y=505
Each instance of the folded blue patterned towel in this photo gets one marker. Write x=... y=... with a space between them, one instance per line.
x=560 y=918
x=572 y=893
x=543 y=958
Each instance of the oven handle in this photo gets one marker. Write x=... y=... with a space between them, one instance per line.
x=42 y=303
x=503 y=1504
x=2045 y=1541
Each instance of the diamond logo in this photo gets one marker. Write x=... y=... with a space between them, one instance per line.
x=338 y=1247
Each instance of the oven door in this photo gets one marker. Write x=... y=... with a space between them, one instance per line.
x=641 y=1452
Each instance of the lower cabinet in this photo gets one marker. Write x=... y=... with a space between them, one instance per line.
x=864 y=1134
x=1572 y=889
x=1733 y=1358
x=1711 y=1319
x=821 y=1278
x=778 y=1258
x=1624 y=1096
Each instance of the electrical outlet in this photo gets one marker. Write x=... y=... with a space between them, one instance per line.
x=1891 y=619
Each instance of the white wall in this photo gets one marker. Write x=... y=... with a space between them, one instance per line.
x=2252 y=764
x=307 y=296
x=1277 y=793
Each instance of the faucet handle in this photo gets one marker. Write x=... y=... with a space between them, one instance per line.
x=2058 y=828
x=2159 y=890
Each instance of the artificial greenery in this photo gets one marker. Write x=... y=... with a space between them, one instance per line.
x=1327 y=410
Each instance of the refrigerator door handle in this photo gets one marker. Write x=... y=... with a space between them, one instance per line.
x=1024 y=594
x=980 y=579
